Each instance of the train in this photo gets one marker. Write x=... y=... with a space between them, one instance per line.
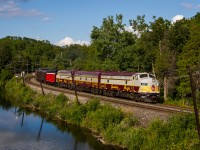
x=135 y=86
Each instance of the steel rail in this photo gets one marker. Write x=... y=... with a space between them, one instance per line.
x=154 y=107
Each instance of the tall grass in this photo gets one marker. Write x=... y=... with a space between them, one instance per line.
x=116 y=127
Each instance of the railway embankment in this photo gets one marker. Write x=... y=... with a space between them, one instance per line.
x=110 y=123
x=144 y=115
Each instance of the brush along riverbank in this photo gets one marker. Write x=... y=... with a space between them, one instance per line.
x=109 y=123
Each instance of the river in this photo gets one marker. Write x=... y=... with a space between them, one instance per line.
x=24 y=130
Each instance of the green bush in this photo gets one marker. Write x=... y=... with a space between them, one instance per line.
x=178 y=132
x=136 y=138
x=103 y=117
x=92 y=105
x=129 y=121
x=61 y=98
x=75 y=114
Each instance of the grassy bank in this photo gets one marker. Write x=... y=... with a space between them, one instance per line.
x=110 y=123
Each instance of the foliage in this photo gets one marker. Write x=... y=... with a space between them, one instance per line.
x=178 y=132
x=111 y=37
x=190 y=56
x=158 y=46
x=109 y=65
x=61 y=98
x=5 y=75
x=92 y=105
x=20 y=51
x=103 y=117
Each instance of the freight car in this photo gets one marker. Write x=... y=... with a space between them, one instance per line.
x=136 y=86
x=46 y=75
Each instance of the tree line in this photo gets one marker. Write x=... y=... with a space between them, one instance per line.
x=160 y=47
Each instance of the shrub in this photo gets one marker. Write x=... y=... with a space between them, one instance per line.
x=61 y=98
x=103 y=117
x=129 y=121
x=178 y=132
x=75 y=114
x=92 y=105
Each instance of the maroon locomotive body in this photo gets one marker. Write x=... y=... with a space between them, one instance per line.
x=136 y=86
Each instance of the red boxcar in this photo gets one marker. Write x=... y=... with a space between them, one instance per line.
x=50 y=77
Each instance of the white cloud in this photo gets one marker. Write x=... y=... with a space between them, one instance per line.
x=46 y=19
x=130 y=29
x=187 y=5
x=190 y=6
x=69 y=41
x=11 y=8
x=177 y=17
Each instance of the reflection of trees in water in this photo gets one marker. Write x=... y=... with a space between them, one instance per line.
x=20 y=112
x=40 y=130
x=80 y=135
x=5 y=104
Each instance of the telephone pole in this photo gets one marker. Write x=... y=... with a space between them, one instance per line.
x=194 y=97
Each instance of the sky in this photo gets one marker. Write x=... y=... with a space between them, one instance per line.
x=65 y=22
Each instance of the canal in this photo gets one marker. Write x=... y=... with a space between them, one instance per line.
x=25 y=130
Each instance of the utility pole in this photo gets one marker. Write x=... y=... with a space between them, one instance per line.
x=165 y=87
x=27 y=66
x=42 y=88
x=22 y=75
x=74 y=84
x=192 y=85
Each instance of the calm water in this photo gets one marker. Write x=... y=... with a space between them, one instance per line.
x=21 y=130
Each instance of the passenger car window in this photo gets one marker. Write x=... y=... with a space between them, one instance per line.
x=144 y=84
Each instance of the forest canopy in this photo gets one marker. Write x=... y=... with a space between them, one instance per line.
x=160 y=46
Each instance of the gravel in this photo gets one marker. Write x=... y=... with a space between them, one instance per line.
x=145 y=116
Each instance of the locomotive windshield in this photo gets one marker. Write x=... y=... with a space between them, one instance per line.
x=151 y=76
x=143 y=75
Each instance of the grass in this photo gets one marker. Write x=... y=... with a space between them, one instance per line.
x=116 y=127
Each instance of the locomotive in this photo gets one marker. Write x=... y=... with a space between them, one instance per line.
x=136 y=86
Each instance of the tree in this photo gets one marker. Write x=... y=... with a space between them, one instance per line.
x=5 y=53
x=139 y=24
x=190 y=56
x=111 y=37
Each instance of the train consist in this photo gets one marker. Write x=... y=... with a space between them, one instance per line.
x=135 y=86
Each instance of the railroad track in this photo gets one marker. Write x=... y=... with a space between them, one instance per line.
x=154 y=107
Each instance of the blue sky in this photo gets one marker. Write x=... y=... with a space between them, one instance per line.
x=71 y=21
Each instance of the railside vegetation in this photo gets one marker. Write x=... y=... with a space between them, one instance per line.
x=160 y=46
x=111 y=124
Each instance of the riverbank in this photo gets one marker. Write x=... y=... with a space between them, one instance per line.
x=24 y=129
x=110 y=123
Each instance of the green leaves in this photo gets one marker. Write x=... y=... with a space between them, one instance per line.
x=111 y=37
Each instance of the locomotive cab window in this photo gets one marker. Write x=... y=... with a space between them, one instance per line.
x=143 y=75
x=151 y=76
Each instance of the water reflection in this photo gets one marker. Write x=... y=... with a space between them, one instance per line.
x=39 y=133
x=22 y=130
